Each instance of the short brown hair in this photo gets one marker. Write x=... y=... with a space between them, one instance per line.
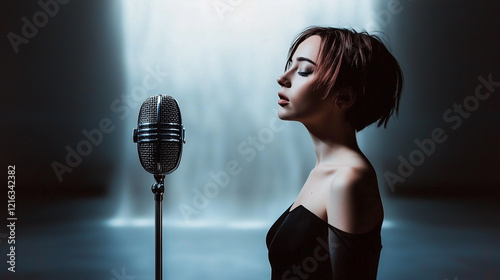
x=360 y=61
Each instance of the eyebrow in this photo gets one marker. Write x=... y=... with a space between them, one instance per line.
x=305 y=59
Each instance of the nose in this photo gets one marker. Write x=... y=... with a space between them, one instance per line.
x=284 y=81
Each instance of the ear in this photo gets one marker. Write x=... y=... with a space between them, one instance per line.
x=344 y=98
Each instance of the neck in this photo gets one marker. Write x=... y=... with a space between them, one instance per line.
x=332 y=142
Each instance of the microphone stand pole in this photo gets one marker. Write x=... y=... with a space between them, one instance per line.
x=158 y=188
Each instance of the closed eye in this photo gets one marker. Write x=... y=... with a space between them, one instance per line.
x=305 y=73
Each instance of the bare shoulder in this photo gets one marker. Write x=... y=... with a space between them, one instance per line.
x=354 y=203
x=354 y=179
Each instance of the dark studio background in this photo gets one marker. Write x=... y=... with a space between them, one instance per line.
x=65 y=78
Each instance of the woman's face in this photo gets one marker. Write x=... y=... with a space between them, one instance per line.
x=297 y=100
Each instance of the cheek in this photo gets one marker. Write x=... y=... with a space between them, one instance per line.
x=304 y=90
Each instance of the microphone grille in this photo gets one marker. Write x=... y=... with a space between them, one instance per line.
x=169 y=110
x=160 y=156
x=149 y=111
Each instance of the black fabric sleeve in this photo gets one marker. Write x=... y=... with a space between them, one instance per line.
x=354 y=256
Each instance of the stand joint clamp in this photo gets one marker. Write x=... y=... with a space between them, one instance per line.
x=158 y=188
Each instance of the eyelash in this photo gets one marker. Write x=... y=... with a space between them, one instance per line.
x=305 y=73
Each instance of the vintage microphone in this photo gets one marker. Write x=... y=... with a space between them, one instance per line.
x=159 y=136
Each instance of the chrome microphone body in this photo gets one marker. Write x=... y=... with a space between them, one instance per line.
x=159 y=134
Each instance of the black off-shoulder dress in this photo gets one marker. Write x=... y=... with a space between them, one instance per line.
x=303 y=246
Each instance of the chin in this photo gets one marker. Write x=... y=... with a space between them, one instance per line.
x=286 y=115
x=282 y=115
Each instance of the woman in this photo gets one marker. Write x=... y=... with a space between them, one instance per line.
x=336 y=82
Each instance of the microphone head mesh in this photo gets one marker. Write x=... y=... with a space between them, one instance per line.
x=160 y=140
x=149 y=111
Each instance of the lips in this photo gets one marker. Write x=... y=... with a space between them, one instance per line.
x=283 y=99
